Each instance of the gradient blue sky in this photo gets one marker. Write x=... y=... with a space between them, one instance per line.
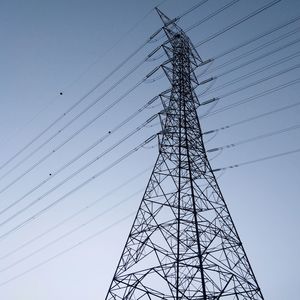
x=57 y=46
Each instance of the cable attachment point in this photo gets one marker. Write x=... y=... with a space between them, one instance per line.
x=207 y=80
x=210 y=101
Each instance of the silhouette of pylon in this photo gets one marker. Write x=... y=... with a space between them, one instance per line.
x=183 y=243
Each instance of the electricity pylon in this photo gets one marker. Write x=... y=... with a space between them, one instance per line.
x=183 y=243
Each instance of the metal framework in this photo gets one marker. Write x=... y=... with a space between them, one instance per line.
x=183 y=243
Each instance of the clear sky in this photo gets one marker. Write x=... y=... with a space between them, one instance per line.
x=53 y=53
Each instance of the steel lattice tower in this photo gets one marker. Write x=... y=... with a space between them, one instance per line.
x=183 y=243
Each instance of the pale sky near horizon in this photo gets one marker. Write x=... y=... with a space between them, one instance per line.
x=67 y=47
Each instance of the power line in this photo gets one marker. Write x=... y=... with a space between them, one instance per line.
x=258 y=48
x=78 y=171
x=78 y=187
x=282 y=47
x=257 y=160
x=74 y=159
x=215 y=99
x=254 y=97
x=213 y=14
x=49 y=154
x=256 y=138
x=67 y=249
x=64 y=251
x=90 y=237
x=247 y=75
x=256 y=38
x=191 y=9
x=252 y=118
x=68 y=233
x=87 y=94
x=102 y=81
x=238 y=22
x=78 y=212
x=125 y=34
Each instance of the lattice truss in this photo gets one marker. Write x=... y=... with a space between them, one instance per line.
x=183 y=243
